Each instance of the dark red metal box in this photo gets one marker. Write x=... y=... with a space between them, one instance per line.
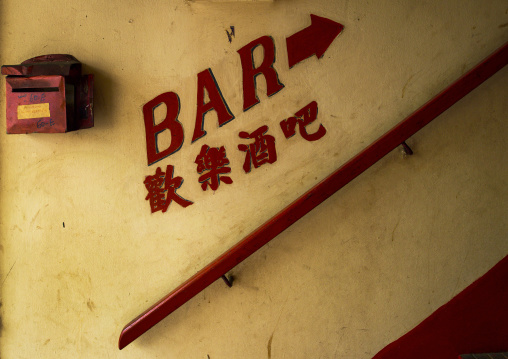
x=48 y=94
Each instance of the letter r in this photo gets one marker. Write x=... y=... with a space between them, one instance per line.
x=273 y=85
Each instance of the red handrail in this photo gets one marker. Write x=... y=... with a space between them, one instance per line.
x=296 y=210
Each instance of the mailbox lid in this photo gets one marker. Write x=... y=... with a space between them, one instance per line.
x=53 y=64
x=36 y=104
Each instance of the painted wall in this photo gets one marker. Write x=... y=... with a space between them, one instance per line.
x=81 y=254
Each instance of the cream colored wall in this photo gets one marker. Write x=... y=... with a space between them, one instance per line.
x=353 y=275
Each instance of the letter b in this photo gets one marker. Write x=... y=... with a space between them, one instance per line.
x=172 y=102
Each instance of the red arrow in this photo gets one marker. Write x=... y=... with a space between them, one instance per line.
x=314 y=39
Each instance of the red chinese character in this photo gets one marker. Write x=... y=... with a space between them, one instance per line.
x=159 y=199
x=259 y=152
x=304 y=117
x=213 y=160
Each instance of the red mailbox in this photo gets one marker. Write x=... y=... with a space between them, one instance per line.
x=48 y=94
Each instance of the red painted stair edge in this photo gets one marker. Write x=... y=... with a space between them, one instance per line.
x=316 y=195
x=474 y=321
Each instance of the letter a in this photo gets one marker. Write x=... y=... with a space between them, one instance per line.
x=273 y=85
x=206 y=80
x=172 y=102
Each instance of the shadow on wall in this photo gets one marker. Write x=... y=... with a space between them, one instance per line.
x=105 y=101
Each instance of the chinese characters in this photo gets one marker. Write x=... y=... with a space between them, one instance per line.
x=261 y=151
x=214 y=161
x=213 y=165
x=303 y=118
x=162 y=188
